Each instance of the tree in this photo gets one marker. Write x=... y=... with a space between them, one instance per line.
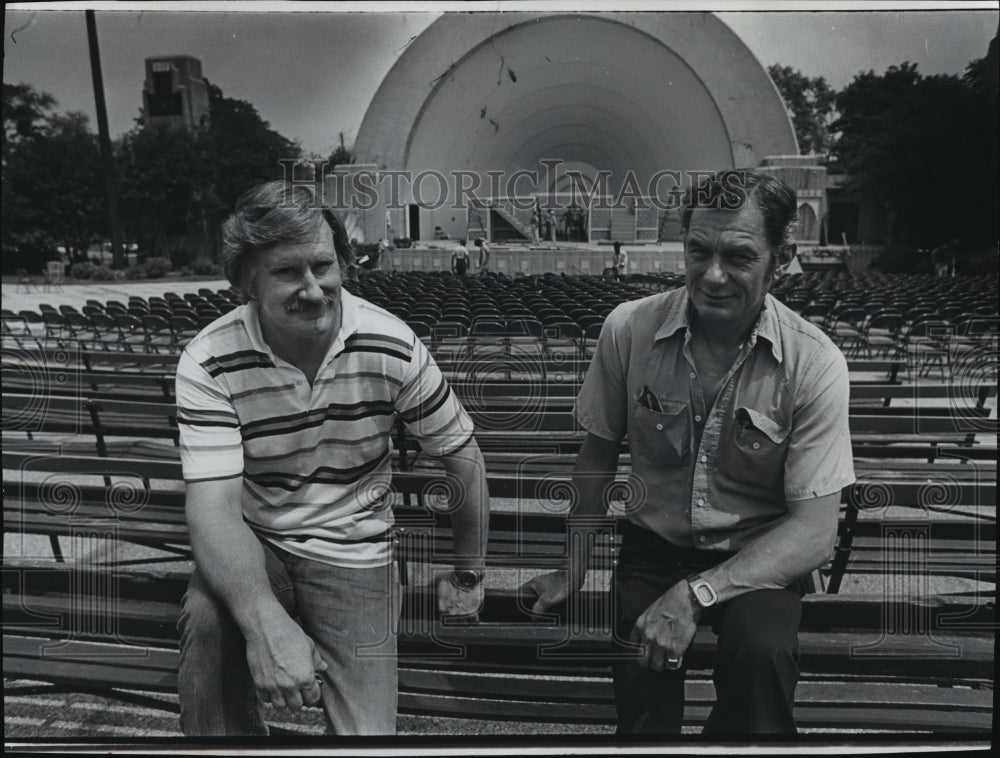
x=918 y=145
x=810 y=103
x=340 y=156
x=25 y=114
x=177 y=185
x=163 y=173
x=246 y=150
x=53 y=187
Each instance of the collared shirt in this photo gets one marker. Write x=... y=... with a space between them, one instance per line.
x=717 y=478
x=315 y=460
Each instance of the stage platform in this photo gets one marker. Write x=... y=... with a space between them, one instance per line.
x=571 y=258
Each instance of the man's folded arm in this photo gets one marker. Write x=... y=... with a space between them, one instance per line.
x=803 y=541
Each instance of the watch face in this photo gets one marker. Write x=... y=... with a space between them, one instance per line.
x=466 y=579
x=704 y=593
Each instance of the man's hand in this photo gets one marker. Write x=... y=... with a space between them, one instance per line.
x=667 y=627
x=457 y=601
x=551 y=590
x=283 y=663
x=593 y=472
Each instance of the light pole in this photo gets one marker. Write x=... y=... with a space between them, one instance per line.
x=117 y=248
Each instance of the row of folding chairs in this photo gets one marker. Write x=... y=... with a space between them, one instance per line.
x=103 y=331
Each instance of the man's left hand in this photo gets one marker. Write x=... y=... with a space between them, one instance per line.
x=666 y=628
x=457 y=601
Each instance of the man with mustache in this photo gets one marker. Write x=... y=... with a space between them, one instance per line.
x=286 y=407
x=736 y=414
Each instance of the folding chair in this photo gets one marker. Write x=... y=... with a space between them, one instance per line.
x=184 y=329
x=106 y=331
x=881 y=334
x=131 y=331
x=926 y=345
x=158 y=333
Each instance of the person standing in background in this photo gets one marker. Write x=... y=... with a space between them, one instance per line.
x=484 y=255
x=460 y=259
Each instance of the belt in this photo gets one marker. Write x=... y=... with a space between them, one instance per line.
x=643 y=549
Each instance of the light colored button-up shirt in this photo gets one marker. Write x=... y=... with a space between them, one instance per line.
x=718 y=478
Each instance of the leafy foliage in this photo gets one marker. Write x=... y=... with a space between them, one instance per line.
x=340 y=156
x=25 y=112
x=245 y=150
x=810 y=102
x=177 y=186
x=163 y=174
x=919 y=144
x=53 y=185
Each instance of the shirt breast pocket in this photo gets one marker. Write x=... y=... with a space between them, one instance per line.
x=758 y=448
x=662 y=437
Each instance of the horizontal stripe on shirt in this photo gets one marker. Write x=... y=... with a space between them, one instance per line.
x=315 y=460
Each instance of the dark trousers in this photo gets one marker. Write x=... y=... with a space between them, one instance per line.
x=756 y=661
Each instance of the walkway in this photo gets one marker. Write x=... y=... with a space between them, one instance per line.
x=17 y=297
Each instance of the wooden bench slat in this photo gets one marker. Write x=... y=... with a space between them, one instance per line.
x=548 y=414
x=907 y=718
x=532 y=644
x=969 y=488
x=470 y=696
x=78 y=354
x=153 y=593
x=809 y=693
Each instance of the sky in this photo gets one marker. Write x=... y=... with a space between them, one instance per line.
x=312 y=74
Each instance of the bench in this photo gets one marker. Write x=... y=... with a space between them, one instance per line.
x=498 y=669
x=550 y=444
x=149 y=384
x=455 y=365
x=904 y=662
x=68 y=397
x=121 y=489
x=511 y=440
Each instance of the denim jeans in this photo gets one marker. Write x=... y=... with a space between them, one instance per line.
x=350 y=614
x=756 y=661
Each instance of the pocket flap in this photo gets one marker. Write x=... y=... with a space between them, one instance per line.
x=668 y=407
x=749 y=417
x=673 y=407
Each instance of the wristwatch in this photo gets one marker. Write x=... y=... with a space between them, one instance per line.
x=466 y=579
x=703 y=592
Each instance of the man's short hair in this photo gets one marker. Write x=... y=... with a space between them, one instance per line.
x=731 y=189
x=268 y=214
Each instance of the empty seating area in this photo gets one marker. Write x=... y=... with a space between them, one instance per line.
x=940 y=326
x=494 y=316
x=935 y=324
x=140 y=324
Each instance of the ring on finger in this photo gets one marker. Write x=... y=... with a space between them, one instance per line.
x=672 y=663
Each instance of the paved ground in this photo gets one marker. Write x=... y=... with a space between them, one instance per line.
x=55 y=716
x=18 y=297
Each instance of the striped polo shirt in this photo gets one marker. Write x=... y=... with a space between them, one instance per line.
x=315 y=460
